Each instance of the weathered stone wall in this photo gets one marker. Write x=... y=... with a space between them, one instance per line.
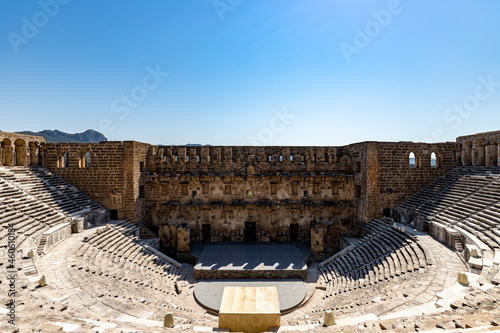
x=386 y=178
x=20 y=150
x=111 y=176
x=285 y=191
x=231 y=159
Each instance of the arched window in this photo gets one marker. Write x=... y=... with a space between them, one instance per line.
x=66 y=160
x=414 y=160
x=84 y=160
x=63 y=160
x=436 y=160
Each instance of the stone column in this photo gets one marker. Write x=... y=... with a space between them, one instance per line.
x=487 y=153
x=33 y=154
x=463 y=156
x=227 y=158
x=492 y=153
x=8 y=154
x=480 y=155
x=468 y=153
x=498 y=154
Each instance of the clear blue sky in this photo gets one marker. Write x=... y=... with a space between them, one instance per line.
x=340 y=71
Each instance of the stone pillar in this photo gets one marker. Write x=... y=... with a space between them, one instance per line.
x=487 y=154
x=183 y=240
x=478 y=153
x=464 y=160
x=498 y=155
x=7 y=150
x=204 y=153
x=181 y=155
x=32 y=154
x=227 y=158
x=467 y=156
x=491 y=153
x=317 y=240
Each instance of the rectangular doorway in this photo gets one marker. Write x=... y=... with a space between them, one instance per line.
x=294 y=231
x=250 y=231
x=205 y=232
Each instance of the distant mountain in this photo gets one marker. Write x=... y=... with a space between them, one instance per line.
x=89 y=136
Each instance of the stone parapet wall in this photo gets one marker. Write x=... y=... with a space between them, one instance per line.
x=233 y=159
x=482 y=149
x=20 y=150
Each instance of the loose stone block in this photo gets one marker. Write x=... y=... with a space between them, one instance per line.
x=463 y=279
x=43 y=281
x=31 y=254
x=329 y=319
x=168 y=321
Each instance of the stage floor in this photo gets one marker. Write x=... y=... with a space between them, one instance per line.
x=251 y=261
x=209 y=292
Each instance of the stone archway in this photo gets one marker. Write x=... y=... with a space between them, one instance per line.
x=7 y=152
x=20 y=150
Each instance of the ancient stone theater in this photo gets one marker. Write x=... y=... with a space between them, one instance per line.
x=123 y=236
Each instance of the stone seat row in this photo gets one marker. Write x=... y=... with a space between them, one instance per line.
x=29 y=216
x=476 y=201
x=434 y=188
x=115 y=251
x=69 y=190
x=453 y=185
x=376 y=299
x=378 y=257
x=48 y=188
x=447 y=198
